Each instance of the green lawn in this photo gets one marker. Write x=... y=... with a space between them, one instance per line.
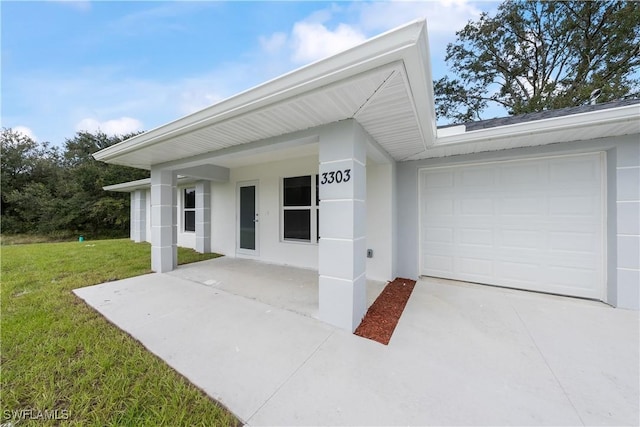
x=59 y=354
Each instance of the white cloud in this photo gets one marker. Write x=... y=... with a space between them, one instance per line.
x=273 y=43
x=160 y=18
x=319 y=35
x=193 y=99
x=313 y=41
x=120 y=126
x=443 y=17
x=94 y=96
x=25 y=131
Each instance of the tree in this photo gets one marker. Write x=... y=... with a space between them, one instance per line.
x=90 y=209
x=44 y=191
x=533 y=56
x=28 y=169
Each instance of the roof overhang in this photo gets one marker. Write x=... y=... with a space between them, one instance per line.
x=577 y=127
x=143 y=184
x=385 y=84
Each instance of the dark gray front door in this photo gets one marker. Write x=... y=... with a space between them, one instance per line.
x=248 y=218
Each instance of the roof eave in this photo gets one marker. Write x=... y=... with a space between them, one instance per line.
x=383 y=49
x=127 y=187
x=592 y=118
x=142 y=184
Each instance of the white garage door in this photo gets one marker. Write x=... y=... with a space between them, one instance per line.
x=529 y=224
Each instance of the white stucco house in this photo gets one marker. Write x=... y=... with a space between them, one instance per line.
x=339 y=166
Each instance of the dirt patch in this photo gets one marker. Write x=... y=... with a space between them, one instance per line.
x=383 y=315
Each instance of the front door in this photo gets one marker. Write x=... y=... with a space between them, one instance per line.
x=248 y=220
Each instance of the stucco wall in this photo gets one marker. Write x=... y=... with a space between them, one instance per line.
x=628 y=222
x=622 y=210
x=148 y=215
x=380 y=215
x=380 y=221
x=270 y=246
x=301 y=254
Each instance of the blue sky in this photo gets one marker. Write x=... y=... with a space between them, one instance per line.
x=122 y=66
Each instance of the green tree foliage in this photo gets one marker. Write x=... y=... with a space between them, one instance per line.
x=28 y=169
x=538 y=55
x=45 y=190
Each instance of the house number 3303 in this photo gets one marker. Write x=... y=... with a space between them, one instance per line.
x=336 y=177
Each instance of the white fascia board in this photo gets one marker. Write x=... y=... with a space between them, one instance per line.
x=451 y=130
x=386 y=48
x=142 y=184
x=418 y=71
x=588 y=119
x=127 y=187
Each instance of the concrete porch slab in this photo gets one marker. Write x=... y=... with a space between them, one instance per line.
x=239 y=351
x=290 y=288
x=461 y=355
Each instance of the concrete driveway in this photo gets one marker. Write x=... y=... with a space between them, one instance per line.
x=462 y=354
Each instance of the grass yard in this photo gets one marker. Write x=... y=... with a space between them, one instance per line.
x=58 y=354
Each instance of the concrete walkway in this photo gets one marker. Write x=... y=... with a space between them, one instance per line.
x=461 y=355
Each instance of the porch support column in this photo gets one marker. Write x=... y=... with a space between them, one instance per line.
x=342 y=246
x=164 y=230
x=138 y=216
x=203 y=216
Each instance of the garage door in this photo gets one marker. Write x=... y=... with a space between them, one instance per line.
x=534 y=224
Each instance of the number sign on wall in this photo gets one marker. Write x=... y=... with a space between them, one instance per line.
x=335 y=177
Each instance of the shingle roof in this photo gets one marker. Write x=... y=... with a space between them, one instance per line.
x=510 y=120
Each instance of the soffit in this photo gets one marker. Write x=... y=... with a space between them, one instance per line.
x=380 y=107
x=384 y=84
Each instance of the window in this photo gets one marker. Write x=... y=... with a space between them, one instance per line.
x=189 y=208
x=300 y=214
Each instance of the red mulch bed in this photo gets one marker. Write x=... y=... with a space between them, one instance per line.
x=383 y=315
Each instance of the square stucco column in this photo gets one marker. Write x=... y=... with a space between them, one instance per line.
x=203 y=216
x=342 y=246
x=164 y=230
x=138 y=216
x=132 y=215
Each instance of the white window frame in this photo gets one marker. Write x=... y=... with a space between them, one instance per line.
x=185 y=210
x=314 y=208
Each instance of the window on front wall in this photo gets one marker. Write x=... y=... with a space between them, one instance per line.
x=300 y=214
x=189 y=209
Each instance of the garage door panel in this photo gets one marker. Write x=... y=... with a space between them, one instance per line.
x=479 y=177
x=476 y=237
x=439 y=264
x=519 y=271
x=476 y=207
x=519 y=239
x=572 y=279
x=576 y=206
x=522 y=176
x=439 y=234
x=534 y=206
x=476 y=266
x=572 y=242
x=440 y=207
x=438 y=179
x=532 y=224
x=575 y=171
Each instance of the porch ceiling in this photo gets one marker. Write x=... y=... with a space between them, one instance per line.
x=384 y=84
